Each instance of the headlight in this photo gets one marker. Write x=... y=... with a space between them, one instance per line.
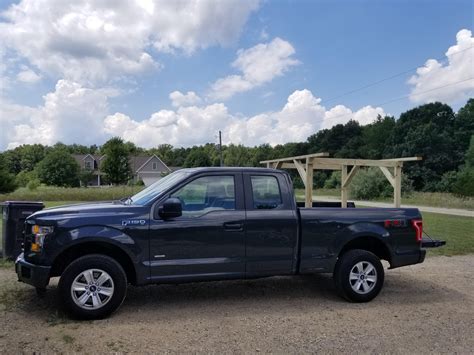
x=39 y=234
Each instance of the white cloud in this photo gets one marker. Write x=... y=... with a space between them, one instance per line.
x=185 y=126
x=258 y=65
x=71 y=114
x=179 y=99
x=435 y=75
x=28 y=76
x=94 y=41
x=301 y=116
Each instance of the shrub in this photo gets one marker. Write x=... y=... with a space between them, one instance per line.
x=24 y=177
x=370 y=184
x=334 y=181
x=464 y=184
x=33 y=184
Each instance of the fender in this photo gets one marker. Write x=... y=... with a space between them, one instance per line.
x=104 y=234
x=357 y=231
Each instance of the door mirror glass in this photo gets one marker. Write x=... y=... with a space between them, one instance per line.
x=172 y=208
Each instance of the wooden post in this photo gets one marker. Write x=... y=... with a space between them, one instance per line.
x=397 y=190
x=343 y=189
x=309 y=184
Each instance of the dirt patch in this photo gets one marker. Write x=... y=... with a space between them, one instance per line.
x=423 y=308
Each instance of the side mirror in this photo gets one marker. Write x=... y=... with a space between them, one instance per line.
x=172 y=208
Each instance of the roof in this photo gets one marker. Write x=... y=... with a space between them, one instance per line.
x=231 y=169
x=135 y=161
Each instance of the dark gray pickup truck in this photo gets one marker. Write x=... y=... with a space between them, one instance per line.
x=212 y=224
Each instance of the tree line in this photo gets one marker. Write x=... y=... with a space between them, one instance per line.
x=434 y=131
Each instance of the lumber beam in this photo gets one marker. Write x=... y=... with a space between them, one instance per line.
x=343 y=189
x=301 y=170
x=397 y=190
x=346 y=182
x=388 y=175
x=299 y=157
x=309 y=184
x=358 y=162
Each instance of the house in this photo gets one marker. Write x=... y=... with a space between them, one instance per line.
x=148 y=168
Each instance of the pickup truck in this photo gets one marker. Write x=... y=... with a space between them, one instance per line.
x=206 y=224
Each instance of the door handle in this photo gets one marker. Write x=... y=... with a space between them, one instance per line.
x=233 y=227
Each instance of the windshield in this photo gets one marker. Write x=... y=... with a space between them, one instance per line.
x=147 y=195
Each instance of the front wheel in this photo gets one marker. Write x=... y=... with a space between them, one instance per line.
x=92 y=287
x=359 y=275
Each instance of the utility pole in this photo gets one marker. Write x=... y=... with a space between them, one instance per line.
x=220 y=148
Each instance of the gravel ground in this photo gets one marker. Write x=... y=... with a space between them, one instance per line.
x=422 y=309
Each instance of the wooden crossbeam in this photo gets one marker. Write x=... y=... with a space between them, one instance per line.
x=404 y=159
x=352 y=162
x=299 y=157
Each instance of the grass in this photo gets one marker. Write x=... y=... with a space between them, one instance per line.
x=49 y=193
x=458 y=232
x=431 y=199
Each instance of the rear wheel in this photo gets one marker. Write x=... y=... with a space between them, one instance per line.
x=359 y=275
x=92 y=287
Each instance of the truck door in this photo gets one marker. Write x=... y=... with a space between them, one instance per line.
x=271 y=225
x=207 y=241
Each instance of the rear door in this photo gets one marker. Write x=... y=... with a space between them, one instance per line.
x=271 y=225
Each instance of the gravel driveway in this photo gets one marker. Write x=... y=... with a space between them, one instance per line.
x=423 y=308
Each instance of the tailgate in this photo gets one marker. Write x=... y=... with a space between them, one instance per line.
x=432 y=243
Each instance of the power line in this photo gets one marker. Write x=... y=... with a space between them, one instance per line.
x=405 y=96
x=389 y=78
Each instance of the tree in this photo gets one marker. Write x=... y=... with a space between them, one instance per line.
x=197 y=158
x=375 y=136
x=464 y=184
x=237 y=155
x=59 y=168
x=116 y=165
x=427 y=130
x=7 y=180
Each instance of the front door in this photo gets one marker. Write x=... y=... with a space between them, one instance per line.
x=207 y=241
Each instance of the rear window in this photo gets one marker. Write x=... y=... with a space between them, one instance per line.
x=266 y=192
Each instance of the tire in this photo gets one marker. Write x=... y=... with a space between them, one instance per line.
x=359 y=275
x=92 y=287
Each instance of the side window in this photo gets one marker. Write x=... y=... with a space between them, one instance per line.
x=266 y=192
x=206 y=194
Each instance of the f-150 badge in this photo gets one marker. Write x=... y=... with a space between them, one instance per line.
x=133 y=222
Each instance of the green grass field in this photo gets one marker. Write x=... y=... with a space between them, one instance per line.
x=49 y=193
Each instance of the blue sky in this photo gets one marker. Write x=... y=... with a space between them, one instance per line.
x=262 y=72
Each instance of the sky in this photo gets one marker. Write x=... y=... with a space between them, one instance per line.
x=177 y=72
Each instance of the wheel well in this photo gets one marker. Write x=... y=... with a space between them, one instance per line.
x=372 y=244
x=71 y=254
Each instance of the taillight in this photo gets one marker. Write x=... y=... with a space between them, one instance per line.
x=418 y=226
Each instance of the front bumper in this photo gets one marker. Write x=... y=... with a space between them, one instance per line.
x=35 y=275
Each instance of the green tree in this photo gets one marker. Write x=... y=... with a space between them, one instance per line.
x=375 y=136
x=7 y=180
x=464 y=184
x=237 y=155
x=116 y=165
x=59 y=168
x=197 y=158
x=427 y=130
